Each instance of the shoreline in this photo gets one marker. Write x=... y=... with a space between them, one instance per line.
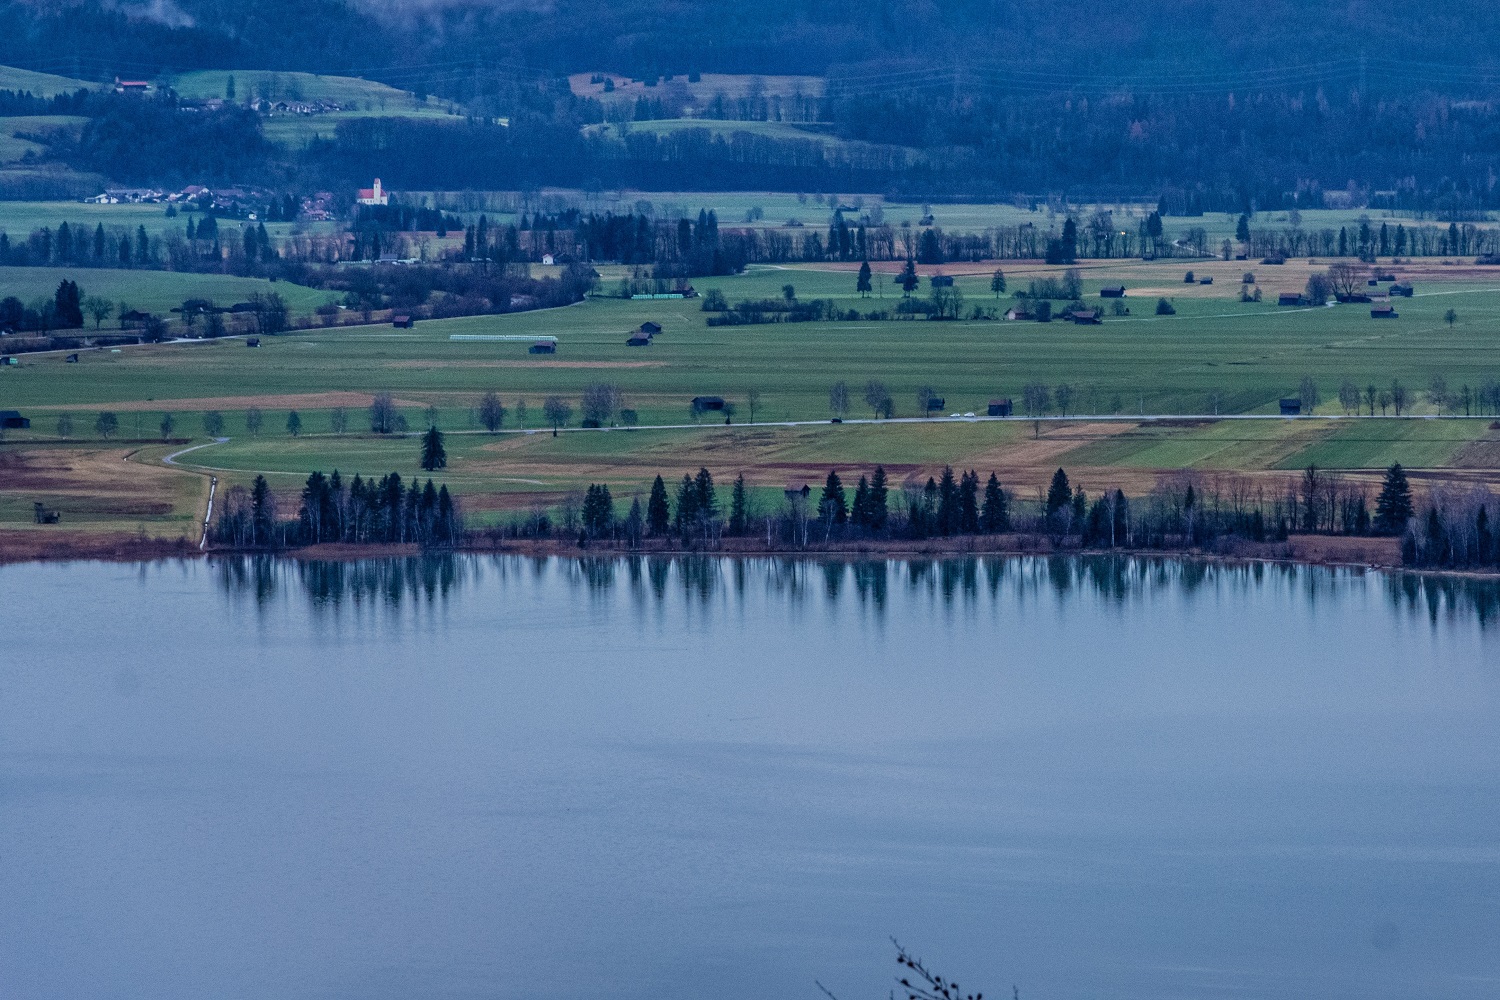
x=1328 y=551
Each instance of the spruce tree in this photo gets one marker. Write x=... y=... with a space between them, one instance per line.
x=833 y=506
x=687 y=503
x=707 y=501
x=658 y=511
x=1393 y=508
x=1059 y=494
x=859 y=510
x=863 y=285
x=738 y=514
x=877 y=512
x=434 y=455
x=968 y=503
x=947 y=503
x=995 y=515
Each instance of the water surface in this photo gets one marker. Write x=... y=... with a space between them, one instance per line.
x=505 y=777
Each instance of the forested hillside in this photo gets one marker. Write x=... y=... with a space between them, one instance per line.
x=1215 y=105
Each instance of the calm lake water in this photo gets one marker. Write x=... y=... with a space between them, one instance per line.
x=504 y=777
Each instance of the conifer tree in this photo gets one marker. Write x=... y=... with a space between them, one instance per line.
x=738 y=513
x=1059 y=493
x=968 y=503
x=658 y=512
x=833 y=506
x=706 y=499
x=994 y=517
x=687 y=503
x=948 y=519
x=1393 y=508
x=878 y=512
x=859 y=509
x=434 y=455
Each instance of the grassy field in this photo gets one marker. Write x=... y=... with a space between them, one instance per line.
x=19 y=218
x=40 y=84
x=154 y=291
x=1214 y=351
x=281 y=86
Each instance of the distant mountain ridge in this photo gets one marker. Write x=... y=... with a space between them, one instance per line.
x=1445 y=45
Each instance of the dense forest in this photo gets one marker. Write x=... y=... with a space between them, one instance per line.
x=1219 y=106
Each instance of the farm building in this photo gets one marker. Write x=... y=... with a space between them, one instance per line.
x=403 y=322
x=638 y=339
x=1206 y=281
x=12 y=420
x=1087 y=317
x=1000 y=408
x=1112 y=292
x=134 y=316
x=650 y=329
x=1384 y=312
x=1018 y=312
x=9 y=360
x=131 y=86
x=1291 y=407
x=703 y=403
x=252 y=341
x=795 y=492
x=1402 y=288
x=1290 y=299
x=543 y=347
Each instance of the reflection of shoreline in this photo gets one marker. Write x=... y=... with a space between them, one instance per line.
x=702 y=578
x=1310 y=550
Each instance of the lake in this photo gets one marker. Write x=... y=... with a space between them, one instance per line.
x=509 y=777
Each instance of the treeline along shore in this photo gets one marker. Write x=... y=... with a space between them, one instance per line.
x=1317 y=516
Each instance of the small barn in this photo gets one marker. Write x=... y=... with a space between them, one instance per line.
x=12 y=420
x=1087 y=317
x=134 y=317
x=1403 y=289
x=1019 y=312
x=1384 y=312
x=252 y=341
x=704 y=403
x=650 y=329
x=1112 y=292
x=1206 y=281
x=1291 y=407
x=543 y=347
x=1290 y=299
x=403 y=322
x=638 y=339
x=794 y=492
x=1001 y=408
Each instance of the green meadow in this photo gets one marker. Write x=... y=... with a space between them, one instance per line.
x=154 y=291
x=1215 y=355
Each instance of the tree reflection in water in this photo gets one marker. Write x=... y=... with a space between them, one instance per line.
x=1113 y=579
